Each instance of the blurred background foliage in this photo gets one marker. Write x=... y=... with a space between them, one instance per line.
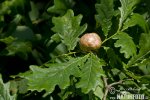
x=25 y=30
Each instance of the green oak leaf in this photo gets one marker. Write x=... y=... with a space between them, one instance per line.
x=144 y=45
x=135 y=19
x=69 y=29
x=60 y=6
x=5 y=91
x=56 y=74
x=91 y=74
x=126 y=43
x=127 y=7
x=105 y=13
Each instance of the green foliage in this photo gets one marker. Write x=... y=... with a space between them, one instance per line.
x=40 y=57
x=34 y=14
x=126 y=43
x=127 y=7
x=68 y=28
x=57 y=74
x=136 y=19
x=60 y=6
x=105 y=13
x=91 y=74
x=144 y=50
x=8 y=40
x=19 y=47
x=5 y=91
x=14 y=6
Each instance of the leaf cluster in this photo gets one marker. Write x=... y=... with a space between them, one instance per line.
x=40 y=56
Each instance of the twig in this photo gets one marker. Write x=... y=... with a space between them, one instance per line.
x=107 y=87
x=115 y=83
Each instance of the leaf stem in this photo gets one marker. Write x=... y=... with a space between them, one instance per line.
x=109 y=37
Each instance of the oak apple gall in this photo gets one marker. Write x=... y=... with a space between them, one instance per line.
x=90 y=42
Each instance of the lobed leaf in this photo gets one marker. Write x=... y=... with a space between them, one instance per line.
x=5 y=91
x=126 y=43
x=105 y=13
x=68 y=27
x=91 y=74
x=127 y=7
x=135 y=19
x=144 y=44
x=57 y=74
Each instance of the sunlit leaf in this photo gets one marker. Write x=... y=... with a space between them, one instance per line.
x=69 y=29
x=5 y=91
x=126 y=43
x=91 y=74
x=56 y=38
x=127 y=7
x=56 y=74
x=99 y=92
x=144 y=44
